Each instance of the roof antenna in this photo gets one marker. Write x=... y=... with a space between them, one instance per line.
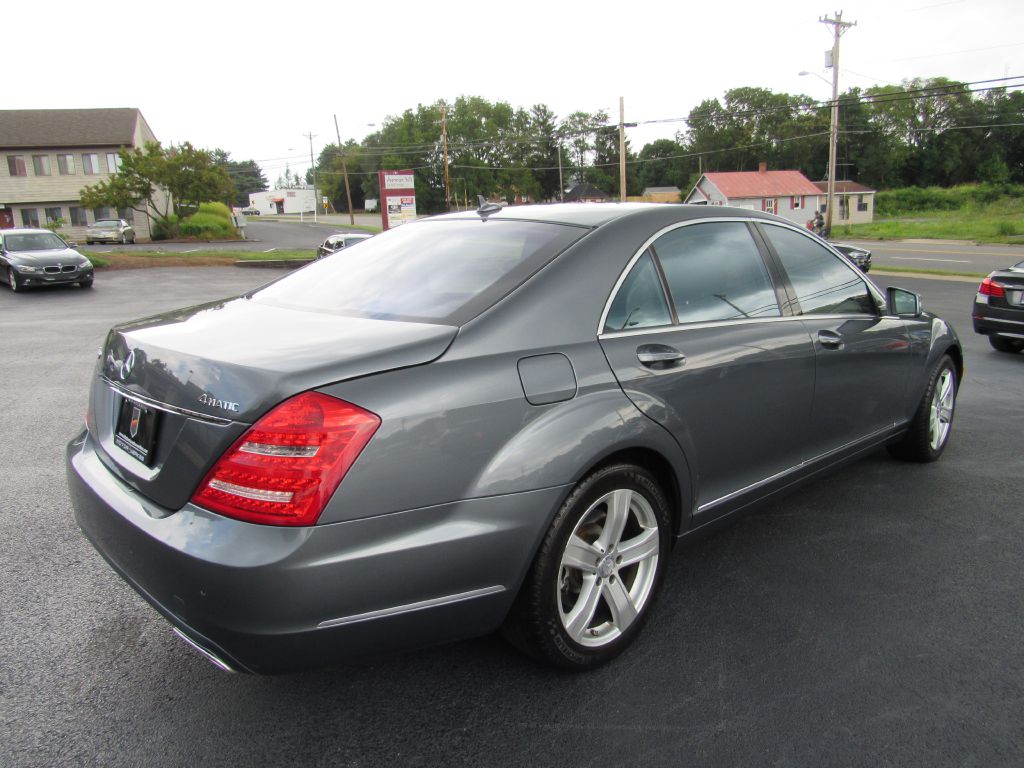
x=486 y=209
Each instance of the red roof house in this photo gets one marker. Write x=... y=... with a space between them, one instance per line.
x=789 y=194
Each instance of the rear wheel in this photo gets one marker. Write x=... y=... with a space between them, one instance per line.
x=597 y=571
x=933 y=421
x=12 y=279
x=1004 y=345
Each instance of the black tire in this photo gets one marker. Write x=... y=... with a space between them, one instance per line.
x=12 y=280
x=566 y=616
x=87 y=283
x=1004 y=345
x=132 y=241
x=932 y=424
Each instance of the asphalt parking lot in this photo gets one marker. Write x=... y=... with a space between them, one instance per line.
x=873 y=618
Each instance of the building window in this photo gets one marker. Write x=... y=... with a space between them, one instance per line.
x=66 y=165
x=796 y=202
x=90 y=164
x=41 y=165
x=768 y=205
x=101 y=213
x=30 y=217
x=52 y=214
x=861 y=203
x=77 y=214
x=128 y=214
x=16 y=165
x=113 y=162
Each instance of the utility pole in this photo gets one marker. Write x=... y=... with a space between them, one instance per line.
x=316 y=200
x=622 y=150
x=561 y=185
x=838 y=28
x=344 y=170
x=444 y=142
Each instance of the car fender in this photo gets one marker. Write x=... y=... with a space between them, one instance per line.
x=571 y=438
x=931 y=337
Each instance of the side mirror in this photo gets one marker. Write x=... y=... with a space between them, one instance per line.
x=903 y=303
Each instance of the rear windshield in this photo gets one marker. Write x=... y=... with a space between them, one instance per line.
x=443 y=272
x=107 y=224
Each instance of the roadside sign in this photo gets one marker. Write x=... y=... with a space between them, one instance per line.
x=398 y=197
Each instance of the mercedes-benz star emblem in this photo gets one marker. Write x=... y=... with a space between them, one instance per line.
x=127 y=365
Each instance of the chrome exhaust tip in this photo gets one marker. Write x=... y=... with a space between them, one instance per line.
x=218 y=662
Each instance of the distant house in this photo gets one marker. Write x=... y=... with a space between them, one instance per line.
x=50 y=154
x=855 y=203
x=788 y=194
x=661 y=195
x=585 y=193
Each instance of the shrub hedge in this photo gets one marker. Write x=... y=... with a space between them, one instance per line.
x=899 y=202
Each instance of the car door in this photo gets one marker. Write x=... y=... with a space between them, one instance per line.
x=699 y=342
x=862 y=355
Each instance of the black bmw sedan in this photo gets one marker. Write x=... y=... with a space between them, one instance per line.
x=36 y=257
x=999 y=309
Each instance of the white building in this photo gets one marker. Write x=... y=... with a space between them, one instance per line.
x=283 y=201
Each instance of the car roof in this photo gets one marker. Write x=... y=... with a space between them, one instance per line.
x=24 y=231
x=596 y=214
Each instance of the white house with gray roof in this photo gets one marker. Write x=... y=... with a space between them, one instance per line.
x=48 y=155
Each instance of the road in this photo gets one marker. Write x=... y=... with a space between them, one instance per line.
x=949 y=257
x=872 y=618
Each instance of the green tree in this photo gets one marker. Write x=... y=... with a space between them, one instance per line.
x=161 y=182
x=245 y=175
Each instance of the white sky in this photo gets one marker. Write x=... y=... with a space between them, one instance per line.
x=254 y=77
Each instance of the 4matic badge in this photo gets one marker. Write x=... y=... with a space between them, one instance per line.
x=214 y=402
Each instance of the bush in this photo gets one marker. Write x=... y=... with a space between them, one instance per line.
x=909 y=200
x=216 y=209
x=208 y=226
x=165 y=229
x=1006 y=229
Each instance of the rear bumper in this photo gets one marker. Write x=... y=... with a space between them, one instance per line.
x=997 y=321
x=267 y=599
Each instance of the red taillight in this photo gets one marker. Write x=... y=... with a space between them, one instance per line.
x=990 y=288
x=285 y=468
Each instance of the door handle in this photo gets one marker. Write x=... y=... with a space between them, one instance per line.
x=659 y=356
x=830 y=340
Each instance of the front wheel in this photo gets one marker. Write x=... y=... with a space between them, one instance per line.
x=929 y=431
x=12 y=279
x=597 y=571
x=87 y=283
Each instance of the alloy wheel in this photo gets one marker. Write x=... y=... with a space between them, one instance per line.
x=608 y=568
x=941 y=412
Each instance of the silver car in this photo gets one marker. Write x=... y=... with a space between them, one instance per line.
x=500 y=419
x=110 y=231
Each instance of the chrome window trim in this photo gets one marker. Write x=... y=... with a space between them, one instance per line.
x=151 y=403
x=398 y=610
x=728 y=323
x=796 y=467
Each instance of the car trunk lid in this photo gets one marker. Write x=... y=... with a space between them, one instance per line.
x=176 y=390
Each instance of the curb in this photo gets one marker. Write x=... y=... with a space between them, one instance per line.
x=273 y=263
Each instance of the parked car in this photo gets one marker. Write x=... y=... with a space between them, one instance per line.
x=33 y=257
x=338 y=241
x=110 y=231
x=859 y=256
x=251 y=211
x=501 y=418
x=999 y=308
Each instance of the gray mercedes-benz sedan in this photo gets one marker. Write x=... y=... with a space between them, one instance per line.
x=500 y=419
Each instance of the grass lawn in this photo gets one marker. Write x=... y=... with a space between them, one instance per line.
x=142 y=259
x=999 y=222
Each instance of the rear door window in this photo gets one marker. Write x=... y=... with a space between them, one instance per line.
x=715 y=272
x=640 y=301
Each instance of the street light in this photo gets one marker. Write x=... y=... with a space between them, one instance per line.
x=815 y=74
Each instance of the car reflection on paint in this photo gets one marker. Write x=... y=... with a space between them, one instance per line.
x=493 y=419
